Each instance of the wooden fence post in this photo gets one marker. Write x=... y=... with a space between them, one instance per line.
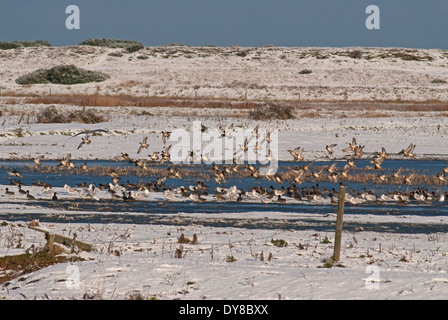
x=54 y=237
x=50 y=240
x=338 y=233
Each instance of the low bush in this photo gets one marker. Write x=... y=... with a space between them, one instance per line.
x=279 y=242
x=18 y=44
x=134 y=47
x=51 y=115
x=305 y=71
x=355 y=54
x=437 y=81
x=129 y=45
x=272 y=112
x=62 y=74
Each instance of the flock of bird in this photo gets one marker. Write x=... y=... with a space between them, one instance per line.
x=200 y=192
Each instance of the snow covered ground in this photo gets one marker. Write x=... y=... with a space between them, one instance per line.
x=267 y=73
x=127 y=128
x=133 y=260
x=140 y=261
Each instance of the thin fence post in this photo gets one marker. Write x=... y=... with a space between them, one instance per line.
x=338 y=233
x=50 y=241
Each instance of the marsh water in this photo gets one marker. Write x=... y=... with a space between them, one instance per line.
x=158 y=210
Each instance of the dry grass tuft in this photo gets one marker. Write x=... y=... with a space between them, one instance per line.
x=97 y=100
x=52 y=115
x=19 y=265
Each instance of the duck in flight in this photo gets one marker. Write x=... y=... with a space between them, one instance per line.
x=84 y=141
x=165 y=155
x=227 y=133
x=37 y=160
x=408 y=179
x=15 y=173
x=330 y=148
x=84 y=167
x=165 y=136
x=143 y=145
x=409 y=151
x=397 y=175
x=383 y=153
x=296 y=153
x=377 y=161
x=351 y=146
x=359 y=151
x=154 y=156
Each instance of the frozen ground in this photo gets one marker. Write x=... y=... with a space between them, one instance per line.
x=268 y=73
x=127 y=126
x=139 y=260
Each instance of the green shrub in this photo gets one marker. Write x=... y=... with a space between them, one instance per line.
x=129 y=45
x=436 y=81
x=116 y=54
x=241 y=53
x=134 y=47
x=325 y=240
x=63 y=74
x=355 y=54
x=305 y=71
x=279 y=242
x=19 y=44
x=51 y=115
x=38 y=76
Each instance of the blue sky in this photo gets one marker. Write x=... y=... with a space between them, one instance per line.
x=329 y=23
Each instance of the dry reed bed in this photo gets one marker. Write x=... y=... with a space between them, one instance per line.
x=96 y=100
x=303 y=109
x=120 y=99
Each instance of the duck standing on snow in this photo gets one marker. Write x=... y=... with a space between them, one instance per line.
x=91 y=191
x=47 y=191
x=70 y=189
x=83 y=194
x=29 y=196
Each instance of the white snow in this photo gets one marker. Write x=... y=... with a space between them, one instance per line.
x=139 y=260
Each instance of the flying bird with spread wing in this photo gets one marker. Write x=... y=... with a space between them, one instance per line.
x=143 y=145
